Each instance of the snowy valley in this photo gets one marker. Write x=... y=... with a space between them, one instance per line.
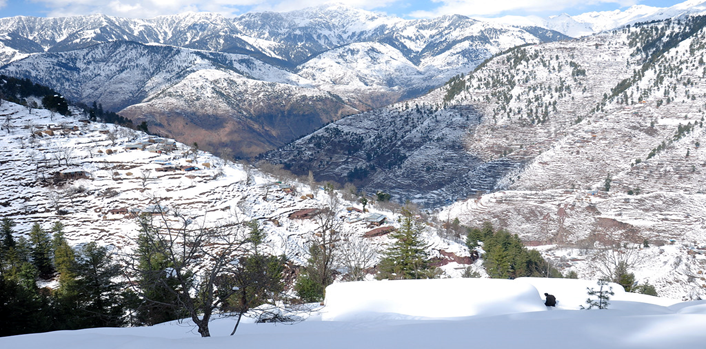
x=522 y=162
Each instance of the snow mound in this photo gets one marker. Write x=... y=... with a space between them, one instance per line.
x=429 y=299
x=572 y=294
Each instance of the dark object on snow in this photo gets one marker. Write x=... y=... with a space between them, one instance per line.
x=551 y=300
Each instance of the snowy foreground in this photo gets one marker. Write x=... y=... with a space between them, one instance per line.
x=447 y=313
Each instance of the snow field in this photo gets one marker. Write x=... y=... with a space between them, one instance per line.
x=522 y=322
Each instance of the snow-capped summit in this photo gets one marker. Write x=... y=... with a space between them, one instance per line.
x=278 y=76
x=594 y=22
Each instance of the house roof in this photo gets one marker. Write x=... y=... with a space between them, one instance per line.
x=375 y=217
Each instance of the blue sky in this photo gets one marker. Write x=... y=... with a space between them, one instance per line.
x=401 y=8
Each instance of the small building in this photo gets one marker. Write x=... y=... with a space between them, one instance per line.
x=285 y=188
x=353 y=209
x=376 y=219
x=118 y=211
x=154 y=149
x=136 y=146
x=74 y=173
x=304 y=214
x=155 y=209
x=165 y=169
x=379 y=231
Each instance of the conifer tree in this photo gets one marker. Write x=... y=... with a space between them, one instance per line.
x=41 y=250
x=155 y=283
x=258 y=278
x=506 y=256
x=98 y=297
x=6 y=226
x=64 y=260
x=406 y=256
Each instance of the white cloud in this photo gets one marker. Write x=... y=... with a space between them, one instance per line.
x=495 y=7
x=153 y=8
x=141 y=9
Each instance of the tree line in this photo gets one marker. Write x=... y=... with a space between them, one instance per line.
x=87 y=294
x=165 y=278
x=185 y=267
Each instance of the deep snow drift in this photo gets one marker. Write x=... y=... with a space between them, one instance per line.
x=431 y=314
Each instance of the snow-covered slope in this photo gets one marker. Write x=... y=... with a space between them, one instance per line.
x=512 y=317
x=115 y=182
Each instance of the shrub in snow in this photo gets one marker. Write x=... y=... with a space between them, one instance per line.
x=602 y=296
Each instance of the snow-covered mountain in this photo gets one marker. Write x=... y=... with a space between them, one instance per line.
x=91 y=177
x=573 y=142
x=285 y=73
x=594 y=22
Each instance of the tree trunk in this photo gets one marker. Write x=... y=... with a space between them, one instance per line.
x=240 y=315
x=203 y=325
x=243 y=300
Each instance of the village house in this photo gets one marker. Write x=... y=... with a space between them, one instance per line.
x=136 y=146
x=304 y=214
x=379 y=231
x=155 y=209
x=118 y=211
x=375 y=219
x=74 y=174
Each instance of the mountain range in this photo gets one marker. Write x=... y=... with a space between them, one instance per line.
x=573 y=144
x=595 y=22
x=261 y=79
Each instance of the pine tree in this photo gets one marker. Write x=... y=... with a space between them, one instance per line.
x=41 y=250
x=99 y=302
x=506 y=256
x=64 y=260
x=258 y=278
x=8 y=241
x=497 y=263
x=155 y=283
x=406 y=256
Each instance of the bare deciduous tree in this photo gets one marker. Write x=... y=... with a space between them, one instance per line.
x=357 y=255
x=611 y=261
x=201 y=258
x=6 y=122
x=325 y=241
x=112 y=136
x=227 y=155
x=58 y=156
x=67 y=154
x=312 y=182
x=54 y=199
x=248 y=172
x=145 y=175
x=38 y=158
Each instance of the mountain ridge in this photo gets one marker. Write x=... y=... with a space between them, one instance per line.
x=366 y=61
